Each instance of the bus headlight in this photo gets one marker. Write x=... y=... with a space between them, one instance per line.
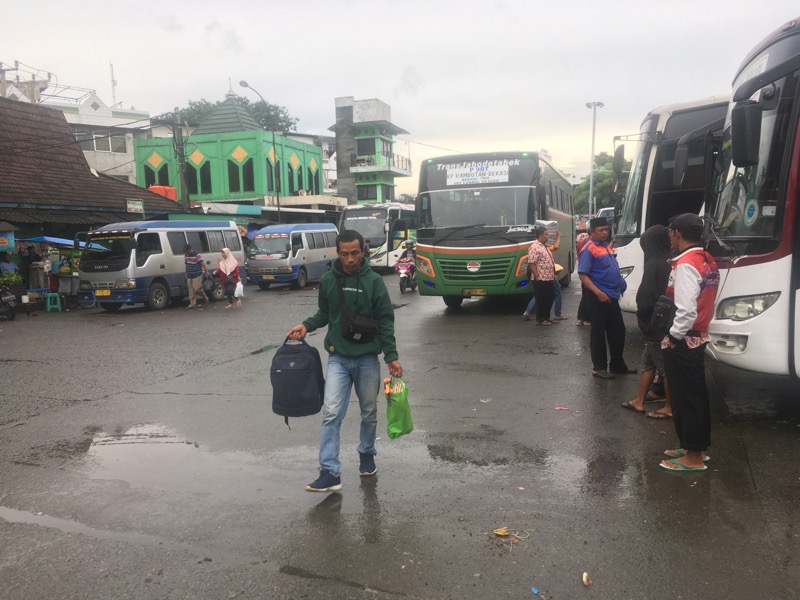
x=741 y=308
x=284 y=270
x=625 y=271
x=85 y=285
x=125 y=284
x=522 y=266
x=425 y=266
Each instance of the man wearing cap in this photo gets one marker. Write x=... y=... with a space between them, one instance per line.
x=600 y=274
x=195 y=266
x=692 y=285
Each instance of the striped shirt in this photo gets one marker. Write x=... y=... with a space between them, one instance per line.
x=194 y=265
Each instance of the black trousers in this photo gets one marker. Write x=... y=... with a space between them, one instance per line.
x=691 y=409
x=230 y=288
x=607 y=325
x=545 y=296
x=584 y=314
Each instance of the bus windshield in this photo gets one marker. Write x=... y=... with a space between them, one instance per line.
x=479 y=206
x=271 y=244
x=629 y=215
x=108 y=249
x=369 y=222
x=749 y=204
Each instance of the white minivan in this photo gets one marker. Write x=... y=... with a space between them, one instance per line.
x=142 y=261
x=296 y=253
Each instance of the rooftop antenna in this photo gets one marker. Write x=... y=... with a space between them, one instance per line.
x=113 y=87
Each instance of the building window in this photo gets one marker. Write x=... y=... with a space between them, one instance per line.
x=387 y=192
x=365 y=147
x=191 y=180
x=300 y=178
x=93 y=140
x=205 y=178
x=234 y=182
x=290 y=177
x=270 y=177
x=367 y=192
x=153 y=177
x=312 y=183
x=248 y=178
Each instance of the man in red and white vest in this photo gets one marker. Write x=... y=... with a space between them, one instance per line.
x=692 y=285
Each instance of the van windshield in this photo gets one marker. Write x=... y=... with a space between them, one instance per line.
x=270 y=244
x=111 y=249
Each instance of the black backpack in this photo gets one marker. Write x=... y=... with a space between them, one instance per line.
x=298 y=386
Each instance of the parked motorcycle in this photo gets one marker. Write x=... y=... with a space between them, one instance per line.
x=8 y=303
x=407 y=270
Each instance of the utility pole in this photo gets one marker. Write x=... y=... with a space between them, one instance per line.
x=177 y=136
x=593 y=205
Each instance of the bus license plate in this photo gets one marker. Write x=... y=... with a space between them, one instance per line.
x=268 y=277
x=474 y=292
x=102 y=293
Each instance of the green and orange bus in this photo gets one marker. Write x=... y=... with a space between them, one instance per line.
x=476 y=214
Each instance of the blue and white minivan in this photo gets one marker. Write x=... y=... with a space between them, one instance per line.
x=142 y=261
x=296 y=253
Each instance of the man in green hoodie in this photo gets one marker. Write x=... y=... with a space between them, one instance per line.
x=352 y=360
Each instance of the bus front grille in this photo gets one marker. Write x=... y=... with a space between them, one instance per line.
x=478 y=269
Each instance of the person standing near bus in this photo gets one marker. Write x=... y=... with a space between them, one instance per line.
x=229 y=276
x=692 y=285
x=600 y=275
x=352 y=361
x=559 y=298
x=543 y=275
x=195 y=269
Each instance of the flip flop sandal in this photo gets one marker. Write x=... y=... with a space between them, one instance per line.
x=680 y=454
x=603 y=374
x=546 y=323
x=630 y=406
x=680 y=467
x=658 y=415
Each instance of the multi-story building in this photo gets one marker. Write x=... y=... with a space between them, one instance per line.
x=366 y=162
x=105 y=133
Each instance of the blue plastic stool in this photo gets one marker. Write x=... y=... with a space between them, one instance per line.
x=53 y=302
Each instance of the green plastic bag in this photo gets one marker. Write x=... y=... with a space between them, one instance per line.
x=398 y=411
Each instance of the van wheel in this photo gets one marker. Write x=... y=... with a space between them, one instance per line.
x=157 y=297
x=217 y=292
x=453 y=301
x=110 y=306
x=564 y=281
x=263 y=286
x=302 y=279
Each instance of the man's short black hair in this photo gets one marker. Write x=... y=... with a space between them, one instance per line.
x=350 y=235
x=539 y=231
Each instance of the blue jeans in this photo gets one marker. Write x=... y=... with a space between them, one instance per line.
x=556 y=304
x=344 y=373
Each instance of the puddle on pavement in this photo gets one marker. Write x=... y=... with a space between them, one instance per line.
x=154 y=456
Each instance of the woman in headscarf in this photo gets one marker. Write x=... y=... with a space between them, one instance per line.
x=228 y=273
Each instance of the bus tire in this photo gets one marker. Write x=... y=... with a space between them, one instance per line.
x=157 y=297
x=565 y=280
x=110 y=306
x=453 y=301
x=302 y=279
x=263 y=285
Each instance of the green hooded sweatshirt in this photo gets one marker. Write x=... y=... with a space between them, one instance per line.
x=365 y=294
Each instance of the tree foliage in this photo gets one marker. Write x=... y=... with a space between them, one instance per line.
x=603 y=185
x=407 y=198
x=270 y=116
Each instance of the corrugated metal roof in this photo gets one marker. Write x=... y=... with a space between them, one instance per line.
x=228 y=117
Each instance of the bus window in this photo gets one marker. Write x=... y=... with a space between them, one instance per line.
x=198 y=240
x=176 y=241
x=147 y=244
x=233 y=240
x=319 y=240
x=310 y=241
x=330 y=239
x=297 y=243
x=215 y=242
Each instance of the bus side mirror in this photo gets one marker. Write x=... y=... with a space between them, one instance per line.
x=619 y=160
x=745 y=133
x=386 y=227
x=681 y=164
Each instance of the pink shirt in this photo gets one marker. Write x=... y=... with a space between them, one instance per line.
x=541 y=262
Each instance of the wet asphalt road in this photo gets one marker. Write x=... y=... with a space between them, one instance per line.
x=139 y=458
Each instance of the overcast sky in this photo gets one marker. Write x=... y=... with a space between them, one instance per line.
x=462 y=76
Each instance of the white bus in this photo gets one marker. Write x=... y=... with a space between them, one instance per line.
x=755 y=236
x=652 y=196
x=385 y=227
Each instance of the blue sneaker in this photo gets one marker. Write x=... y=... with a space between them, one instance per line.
x=326 y=482
x=367 y=466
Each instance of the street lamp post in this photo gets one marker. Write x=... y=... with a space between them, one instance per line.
x=276 y=170
x=592 y=205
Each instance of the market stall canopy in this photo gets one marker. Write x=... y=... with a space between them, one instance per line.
x=46 y=239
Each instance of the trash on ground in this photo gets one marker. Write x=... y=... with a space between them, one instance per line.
x=587 y=581
x=535 y=591
x=561 y=408
x=502 y=531
x=508 y=537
